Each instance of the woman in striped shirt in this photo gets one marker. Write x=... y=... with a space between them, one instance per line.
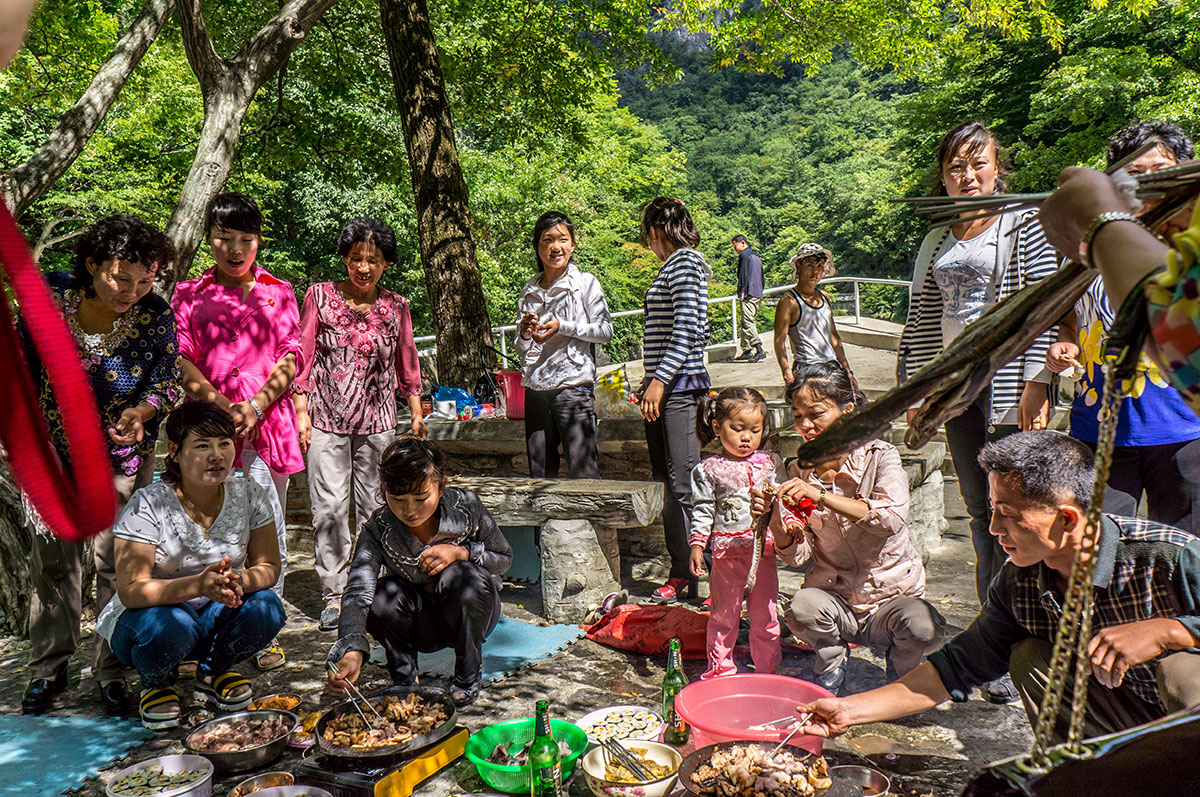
x=960 y=272
x=673 y=355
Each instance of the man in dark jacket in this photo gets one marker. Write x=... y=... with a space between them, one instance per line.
x=750 y=293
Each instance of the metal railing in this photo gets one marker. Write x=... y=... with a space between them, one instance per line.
x=503 y=331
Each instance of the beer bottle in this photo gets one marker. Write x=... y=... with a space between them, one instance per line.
x=545 y=769
x=677 y=730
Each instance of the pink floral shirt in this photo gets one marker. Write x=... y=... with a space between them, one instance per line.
x=721 y=498
x=236 y=344
x=356 y=362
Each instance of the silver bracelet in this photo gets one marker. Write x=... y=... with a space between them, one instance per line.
x=257 y=409
x=1085 y=246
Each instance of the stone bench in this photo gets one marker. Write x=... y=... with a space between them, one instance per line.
x=579 y=521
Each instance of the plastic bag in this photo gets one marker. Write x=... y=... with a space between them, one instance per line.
x=647 y=628
x=613 y=396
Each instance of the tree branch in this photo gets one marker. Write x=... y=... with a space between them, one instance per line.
x=29 y=181
x=268 y=48
x=201 y=54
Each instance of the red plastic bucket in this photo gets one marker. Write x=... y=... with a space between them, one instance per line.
x=514 y=394
x=723 y=709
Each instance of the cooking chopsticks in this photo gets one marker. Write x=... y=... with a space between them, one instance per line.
x=626 y=759
x=803 y=719
x=356 y=697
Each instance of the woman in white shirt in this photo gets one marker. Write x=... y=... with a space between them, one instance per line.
x=563 y=315
x=196 y=556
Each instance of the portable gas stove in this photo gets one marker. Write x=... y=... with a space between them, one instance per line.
x=396 y=777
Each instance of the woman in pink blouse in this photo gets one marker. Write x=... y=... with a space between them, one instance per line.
x=866 y=582
x=359 y=355
x=239 y=347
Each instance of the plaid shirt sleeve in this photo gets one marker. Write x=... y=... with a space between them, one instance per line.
x=1188 y=575
x=980 y=654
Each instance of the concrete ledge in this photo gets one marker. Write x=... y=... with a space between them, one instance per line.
x=720 y=352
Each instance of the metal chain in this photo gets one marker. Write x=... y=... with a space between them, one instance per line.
x=1075 y=625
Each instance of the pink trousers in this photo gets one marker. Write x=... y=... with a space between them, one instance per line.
x=727 y=584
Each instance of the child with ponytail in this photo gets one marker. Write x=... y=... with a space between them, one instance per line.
x=721 y=517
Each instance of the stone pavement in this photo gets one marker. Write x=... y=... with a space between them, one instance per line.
x=929 y=754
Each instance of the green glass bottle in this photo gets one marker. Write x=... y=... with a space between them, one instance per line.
x=674 y=680
x=544 y=765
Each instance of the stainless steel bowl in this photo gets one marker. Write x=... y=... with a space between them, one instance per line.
x=872 y=782
x=251 y=757
x=170 y=764
x=266 y=780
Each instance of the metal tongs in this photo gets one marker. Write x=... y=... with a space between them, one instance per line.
x=627 y=760
x=356 y=697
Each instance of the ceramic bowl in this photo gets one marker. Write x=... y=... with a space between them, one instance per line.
x=593 y=770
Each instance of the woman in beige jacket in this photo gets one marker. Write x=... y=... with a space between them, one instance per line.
x=866 y=582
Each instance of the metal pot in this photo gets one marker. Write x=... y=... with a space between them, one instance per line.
x=415 y=743
x=252 y=757
x=171 y=764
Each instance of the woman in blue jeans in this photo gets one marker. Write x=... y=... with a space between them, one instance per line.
x=196 y=556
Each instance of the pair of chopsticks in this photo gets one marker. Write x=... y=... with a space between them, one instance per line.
x=803 y=719
x=356 y=697
x=626 y=759
x=946 y=211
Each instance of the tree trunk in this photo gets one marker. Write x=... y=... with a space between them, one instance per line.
x=210 y=168
x=228 y=86
x=16 y=543
x=25 y=184
x=447 y=246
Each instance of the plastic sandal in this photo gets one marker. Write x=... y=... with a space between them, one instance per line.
x=150 y=708
x=272 y=649
x=219 y=692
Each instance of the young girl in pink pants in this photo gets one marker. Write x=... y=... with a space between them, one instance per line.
x=721 y=486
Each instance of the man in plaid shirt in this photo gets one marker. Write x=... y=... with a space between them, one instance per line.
x=1144 y=656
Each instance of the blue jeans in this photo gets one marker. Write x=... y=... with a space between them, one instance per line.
x=155 y=639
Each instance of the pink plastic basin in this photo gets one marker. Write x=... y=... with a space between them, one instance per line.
x=514 y=394
x=723 y=709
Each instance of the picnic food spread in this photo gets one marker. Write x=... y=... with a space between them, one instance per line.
x=279 y=702
x=746 y=770
x=230 y=737
x=152 y=780
x=401 y=719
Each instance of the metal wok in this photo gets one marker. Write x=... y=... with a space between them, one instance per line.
x=428 y=694
x=840 y=788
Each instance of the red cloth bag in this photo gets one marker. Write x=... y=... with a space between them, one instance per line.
x=74 y=510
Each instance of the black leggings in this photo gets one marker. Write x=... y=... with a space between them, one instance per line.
x=457 y=609
x=674 y=451
x=566 y=416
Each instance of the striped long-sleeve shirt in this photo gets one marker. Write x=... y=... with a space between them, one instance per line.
x=677 y=323
x=1031 y=260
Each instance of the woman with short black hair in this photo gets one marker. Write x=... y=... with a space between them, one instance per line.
x=357 y=344
x=126 y=338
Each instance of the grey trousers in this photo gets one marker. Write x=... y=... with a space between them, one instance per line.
x=334 y=460
x=1108 y=710
x=57 y=602
x=909 y=628
x=566 y=416
x=748 y=323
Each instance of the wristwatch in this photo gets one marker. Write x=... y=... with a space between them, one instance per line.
x=1085 y=245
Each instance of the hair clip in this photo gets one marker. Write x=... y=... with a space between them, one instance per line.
x=713 y=393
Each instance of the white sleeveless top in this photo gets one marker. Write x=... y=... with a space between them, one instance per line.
x=811 y=336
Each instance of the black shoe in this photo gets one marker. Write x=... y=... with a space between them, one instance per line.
x=115 y=699
x=759 y=356
x=744 y=357
x=39 y=695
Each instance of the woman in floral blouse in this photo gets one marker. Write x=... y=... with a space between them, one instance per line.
x=126 y=337
x=359 y=354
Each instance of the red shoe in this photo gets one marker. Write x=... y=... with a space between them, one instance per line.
x=707 y=605
x=669 y=592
